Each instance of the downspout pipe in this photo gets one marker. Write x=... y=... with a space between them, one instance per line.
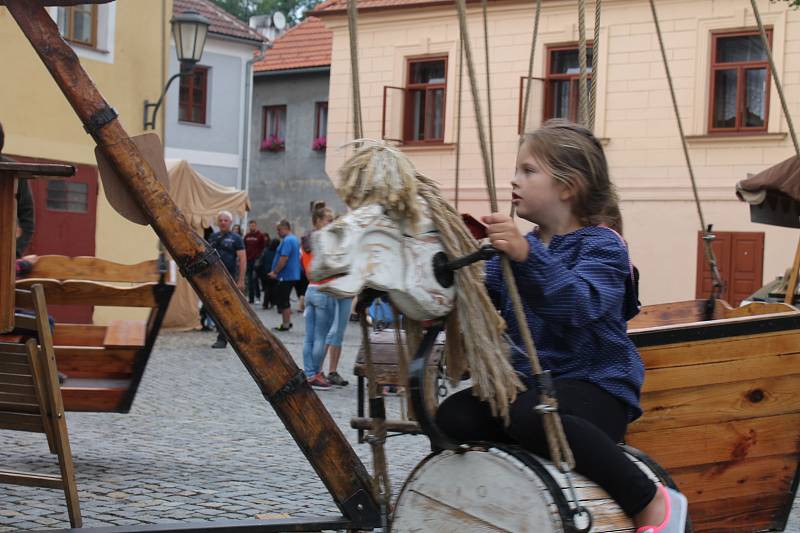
x=248 y=119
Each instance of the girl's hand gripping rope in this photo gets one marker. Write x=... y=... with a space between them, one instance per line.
x=506 y=237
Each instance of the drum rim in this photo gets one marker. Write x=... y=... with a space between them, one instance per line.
x=520 y=454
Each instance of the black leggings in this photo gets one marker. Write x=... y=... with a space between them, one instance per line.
x=593 y=420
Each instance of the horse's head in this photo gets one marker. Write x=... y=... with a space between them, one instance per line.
x=368 y=248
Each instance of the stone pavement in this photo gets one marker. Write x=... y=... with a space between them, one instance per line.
x=200 y=443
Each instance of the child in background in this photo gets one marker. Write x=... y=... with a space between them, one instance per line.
x=576 y=283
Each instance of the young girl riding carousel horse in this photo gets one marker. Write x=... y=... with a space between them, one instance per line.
x=576 y=283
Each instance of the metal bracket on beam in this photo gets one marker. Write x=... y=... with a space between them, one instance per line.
x=360 y=509
x=99 y=119
x=196 y=265
x=289 y=388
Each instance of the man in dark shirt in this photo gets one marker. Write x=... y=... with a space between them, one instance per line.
x=25 y=214
x=253 y=245
x=230 y=248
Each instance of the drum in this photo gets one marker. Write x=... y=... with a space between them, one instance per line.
x=501 y=488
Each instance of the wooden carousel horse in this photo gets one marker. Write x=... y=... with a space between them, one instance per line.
x=366 y=248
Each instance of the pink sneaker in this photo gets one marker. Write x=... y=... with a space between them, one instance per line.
x=318 y=382
x=675 y=516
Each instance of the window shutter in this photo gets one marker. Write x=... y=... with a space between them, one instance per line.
x=535 y=105
x=392 y=118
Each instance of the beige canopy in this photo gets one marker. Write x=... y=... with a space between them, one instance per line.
x=200 y=200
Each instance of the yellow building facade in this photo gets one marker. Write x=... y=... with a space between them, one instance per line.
x=125 y=55
x=635 y=120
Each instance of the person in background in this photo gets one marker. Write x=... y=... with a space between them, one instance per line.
x=265 y=264
x=230 y=248
x=26 y=221
x=237 y=229
x=254 y=243
x=334 y=340
x=318 y=314
x=286 y=270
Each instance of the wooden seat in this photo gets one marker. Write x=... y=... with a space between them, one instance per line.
x=30 y=400
x=385 y=361
x=103 y=364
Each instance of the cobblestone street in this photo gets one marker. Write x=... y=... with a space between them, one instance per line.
x=200 y=443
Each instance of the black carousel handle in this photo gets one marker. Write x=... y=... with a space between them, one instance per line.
x=416 y=378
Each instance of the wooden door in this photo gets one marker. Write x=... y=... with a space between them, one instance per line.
x=740 y=257
x=66 y=219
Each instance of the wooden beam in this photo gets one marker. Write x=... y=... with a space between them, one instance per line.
x=8 y=255
x=267 y=360
x=13 y=168
x=792 y=286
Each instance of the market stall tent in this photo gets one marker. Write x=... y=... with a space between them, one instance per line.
x=200 y=200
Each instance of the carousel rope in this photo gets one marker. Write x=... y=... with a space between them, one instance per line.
x=485 y=10
x=381 y=485
x=529 y=79
x=708 y=237
x=352 y=26
x=583 y=79
x=458 y=118
x=598 y=5
x=558 y=446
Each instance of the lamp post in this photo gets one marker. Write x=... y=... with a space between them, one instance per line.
x=189 y=30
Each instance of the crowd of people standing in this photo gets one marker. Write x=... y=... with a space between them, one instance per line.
x=268 y=269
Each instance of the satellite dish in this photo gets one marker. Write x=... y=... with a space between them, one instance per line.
x=278 y=20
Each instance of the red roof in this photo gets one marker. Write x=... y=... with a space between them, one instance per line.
x=306 y=45
x=222 y=22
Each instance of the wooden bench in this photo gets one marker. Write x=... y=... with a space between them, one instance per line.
x=30 y=399
x=103 y=364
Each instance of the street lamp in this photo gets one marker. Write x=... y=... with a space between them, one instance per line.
x=189 y=29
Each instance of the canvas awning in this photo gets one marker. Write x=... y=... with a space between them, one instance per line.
x=774 y=194
x=200 y=200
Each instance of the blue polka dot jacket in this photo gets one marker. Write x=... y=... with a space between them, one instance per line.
x=578 y=294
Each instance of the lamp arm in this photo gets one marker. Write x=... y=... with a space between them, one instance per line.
x=147 y=105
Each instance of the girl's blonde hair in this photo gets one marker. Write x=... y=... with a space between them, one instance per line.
x=573 y=156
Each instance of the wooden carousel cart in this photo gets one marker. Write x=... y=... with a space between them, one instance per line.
x=727 y=388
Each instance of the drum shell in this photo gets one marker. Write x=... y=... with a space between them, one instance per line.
x=490 y=487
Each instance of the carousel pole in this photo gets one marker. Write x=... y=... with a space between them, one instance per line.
x=267 y=360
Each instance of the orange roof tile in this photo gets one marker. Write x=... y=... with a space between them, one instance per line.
x=306 y=45
x=222 y=22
